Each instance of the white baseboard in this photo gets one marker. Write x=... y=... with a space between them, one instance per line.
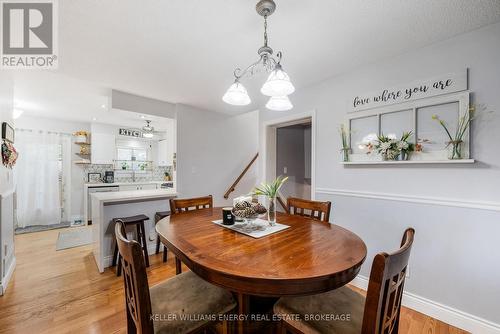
x=8 y=275
x=441 y=312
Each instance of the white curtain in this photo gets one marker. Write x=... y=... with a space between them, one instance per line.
x=37 y=178
x=66 y=144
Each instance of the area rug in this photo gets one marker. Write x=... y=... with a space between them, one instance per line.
x=74 y=238
x=39 y=228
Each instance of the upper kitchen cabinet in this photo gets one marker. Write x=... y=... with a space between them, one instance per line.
x=165 y=153
x=103 y=148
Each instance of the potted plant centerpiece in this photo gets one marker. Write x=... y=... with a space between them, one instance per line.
x=270 y=190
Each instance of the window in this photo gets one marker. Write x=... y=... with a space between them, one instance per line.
x=133 y=155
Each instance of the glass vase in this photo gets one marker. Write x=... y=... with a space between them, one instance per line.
x=404 y=156
x=344 y=154
x=271 y=211
x=455 y=149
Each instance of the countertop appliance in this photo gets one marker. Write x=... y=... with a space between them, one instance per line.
x=109 y=176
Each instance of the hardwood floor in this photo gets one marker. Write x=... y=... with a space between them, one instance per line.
x=62 y=292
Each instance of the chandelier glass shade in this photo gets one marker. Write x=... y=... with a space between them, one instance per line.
x=237 y=95
x=279 y=103
x=278 y=84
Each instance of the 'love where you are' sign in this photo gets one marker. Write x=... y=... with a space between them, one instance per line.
x=444 y=84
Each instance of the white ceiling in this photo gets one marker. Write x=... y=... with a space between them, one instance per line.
x=185 y=51
x=58 y=96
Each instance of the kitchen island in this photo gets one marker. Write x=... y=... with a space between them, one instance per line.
x=109 y=205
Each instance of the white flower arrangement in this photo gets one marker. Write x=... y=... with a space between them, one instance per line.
x=387 y=147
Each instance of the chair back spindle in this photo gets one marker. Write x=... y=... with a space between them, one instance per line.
x=312 y=209
x=385 y=289
x=137 y=298
x=183 y=205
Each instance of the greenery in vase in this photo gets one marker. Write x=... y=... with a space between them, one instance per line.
x=456 y=140
x=405 y=146
x=345 y=146
x=124 y=165
x=270 y=189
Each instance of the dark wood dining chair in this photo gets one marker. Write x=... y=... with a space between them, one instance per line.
x=159 y=216
x=188 y=204
x=176 y=305
x=378 y=313
x=312 y=209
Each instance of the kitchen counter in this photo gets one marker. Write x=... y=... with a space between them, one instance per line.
x=89 y=188
x=102 y=184
x=109 y=205
x=132 y=195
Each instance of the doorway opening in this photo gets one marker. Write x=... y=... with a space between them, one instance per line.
x=288 y=150
x=293 y=159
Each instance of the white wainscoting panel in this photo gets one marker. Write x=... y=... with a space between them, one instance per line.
x=493 y=206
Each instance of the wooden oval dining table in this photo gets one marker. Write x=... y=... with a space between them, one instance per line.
x=309 y=257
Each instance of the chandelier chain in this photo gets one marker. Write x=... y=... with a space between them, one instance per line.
x=265 y=30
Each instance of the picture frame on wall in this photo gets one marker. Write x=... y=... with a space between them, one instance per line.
x=8 y=132
x=94 y=177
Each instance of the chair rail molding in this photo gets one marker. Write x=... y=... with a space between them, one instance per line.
x=440 y=201
x=439 y=311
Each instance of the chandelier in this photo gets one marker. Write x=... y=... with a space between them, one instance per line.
x=277 y=86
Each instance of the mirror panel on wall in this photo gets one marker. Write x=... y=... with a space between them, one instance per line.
x=395 y=123
x=430 y=133
x=363 y=130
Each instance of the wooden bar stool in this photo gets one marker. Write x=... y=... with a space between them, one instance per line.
x=159 y=216
x=138 y=221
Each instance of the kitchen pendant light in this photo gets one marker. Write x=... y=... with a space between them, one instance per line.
x=237 y=95
x=278 y=83
x=279 y=103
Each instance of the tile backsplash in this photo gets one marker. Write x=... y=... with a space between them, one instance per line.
x=156 y=174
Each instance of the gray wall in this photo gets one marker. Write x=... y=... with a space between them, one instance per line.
x=456 y=259
x=212 y=150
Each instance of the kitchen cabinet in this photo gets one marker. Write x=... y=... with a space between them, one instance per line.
x=165 y=153
x=103 y=148
x=145 y=186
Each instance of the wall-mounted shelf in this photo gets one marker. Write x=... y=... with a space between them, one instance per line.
x=410 y=162
x=81 y=162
